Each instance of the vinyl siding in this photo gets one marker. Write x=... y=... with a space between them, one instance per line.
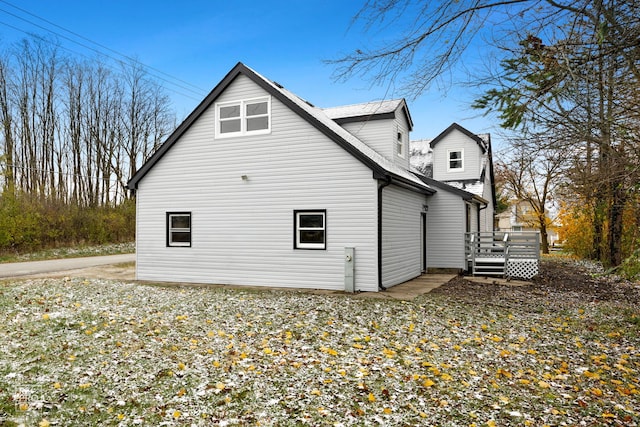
x=400 y=234
x=242 y=231
x=381 y=136
x=487 y=214
x=472 y=159
x=377 y=134
x=445 y=230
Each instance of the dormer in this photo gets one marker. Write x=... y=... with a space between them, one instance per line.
x=383 y=125
x=459 y=155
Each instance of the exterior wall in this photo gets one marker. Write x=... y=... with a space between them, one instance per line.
x=242 y=230
x=487 y=214
x=400 y=234
x=472 y=157
x=446 y=225
x=381 y=135
x=377 y=134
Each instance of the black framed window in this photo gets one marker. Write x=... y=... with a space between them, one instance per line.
x=310 y=229
x=179 y=229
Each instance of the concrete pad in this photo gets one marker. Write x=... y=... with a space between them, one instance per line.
x=413 y=288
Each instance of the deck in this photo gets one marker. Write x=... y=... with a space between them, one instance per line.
x=503 y=254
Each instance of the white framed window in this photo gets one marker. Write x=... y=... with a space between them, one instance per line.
x=179 y=229
x=455 y=160
x=310 y=229
x=245 y=117
x=400 y=144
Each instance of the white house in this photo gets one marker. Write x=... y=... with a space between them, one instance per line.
x=259 y=187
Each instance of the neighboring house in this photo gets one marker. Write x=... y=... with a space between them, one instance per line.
x=259 y=187
x=521 y=217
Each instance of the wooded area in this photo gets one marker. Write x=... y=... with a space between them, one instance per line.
x=73 y=132
x=564 y=76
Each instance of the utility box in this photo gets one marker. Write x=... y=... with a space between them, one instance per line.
x=349 y=269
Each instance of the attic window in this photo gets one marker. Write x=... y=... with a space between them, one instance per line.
x=400 y=144
x=455 y=160
x=245 y=117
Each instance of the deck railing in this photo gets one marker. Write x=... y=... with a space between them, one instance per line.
x=503 y=253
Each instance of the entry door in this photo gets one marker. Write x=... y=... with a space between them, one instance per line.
x=423 y=241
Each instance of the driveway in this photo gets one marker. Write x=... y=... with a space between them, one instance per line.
x=57 y=267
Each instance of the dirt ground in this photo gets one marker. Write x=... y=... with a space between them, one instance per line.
x=558 y=281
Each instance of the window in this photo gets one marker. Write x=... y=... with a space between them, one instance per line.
x=454 y=161
x=400 y=144
x=179 y=229
x=310 y=229
x=251 y=116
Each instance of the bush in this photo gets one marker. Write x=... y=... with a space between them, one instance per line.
x=630 y=267
x=28 y=223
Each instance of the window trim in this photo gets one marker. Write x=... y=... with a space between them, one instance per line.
x=296 y=229
x=170 y=242
x=400 y=149
x=461 y=168
x=243 y=117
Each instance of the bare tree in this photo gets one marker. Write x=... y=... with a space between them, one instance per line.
x=533 y=176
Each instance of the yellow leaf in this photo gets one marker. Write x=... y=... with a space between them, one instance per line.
x=371 y=397
x=220 y=386
x=44 y=423
x=543 y=384
x=45 y=317
x=428 y=383
x=387 y=410
x=176 y=414
x=316 y=392
x=491 y=423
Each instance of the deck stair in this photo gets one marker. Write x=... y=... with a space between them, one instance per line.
x=503 y=254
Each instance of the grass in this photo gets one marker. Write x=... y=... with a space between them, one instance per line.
x=94 y=352
x=70 y=252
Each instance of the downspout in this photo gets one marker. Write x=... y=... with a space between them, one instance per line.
x=381 y=185
x=481 y=208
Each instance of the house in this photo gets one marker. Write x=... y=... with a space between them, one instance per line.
x=520 y=217
x=459 y=165
x=259 y=187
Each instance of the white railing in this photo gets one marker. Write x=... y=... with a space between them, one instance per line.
x=503 y=253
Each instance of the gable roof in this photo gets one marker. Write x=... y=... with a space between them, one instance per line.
x=381 y=167
x=454 y=126
x=374 y=110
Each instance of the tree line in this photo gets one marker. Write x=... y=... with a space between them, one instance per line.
x=72 y=132
x=76 y=130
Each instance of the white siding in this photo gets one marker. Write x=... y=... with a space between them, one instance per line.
x=487 y=214
x=377 y=134
x=381 y=135
x=400 y=234
x=456 y=140
x=242 y=230
x=445 y=230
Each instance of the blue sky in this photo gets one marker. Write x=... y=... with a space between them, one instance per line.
x=199 y=41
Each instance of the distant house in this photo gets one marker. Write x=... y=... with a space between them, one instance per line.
x=259 y=187
x=520 y=217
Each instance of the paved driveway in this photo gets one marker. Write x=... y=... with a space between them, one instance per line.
x=31 y=268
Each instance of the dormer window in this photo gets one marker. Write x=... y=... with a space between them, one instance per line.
x=245 y=117
x=400 y=144
x=455 y=161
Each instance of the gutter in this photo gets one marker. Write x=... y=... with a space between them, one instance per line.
x=381 y=185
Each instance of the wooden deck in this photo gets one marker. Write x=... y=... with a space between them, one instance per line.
x=503 y=254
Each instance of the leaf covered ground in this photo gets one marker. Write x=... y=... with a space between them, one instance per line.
x=96 y=352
